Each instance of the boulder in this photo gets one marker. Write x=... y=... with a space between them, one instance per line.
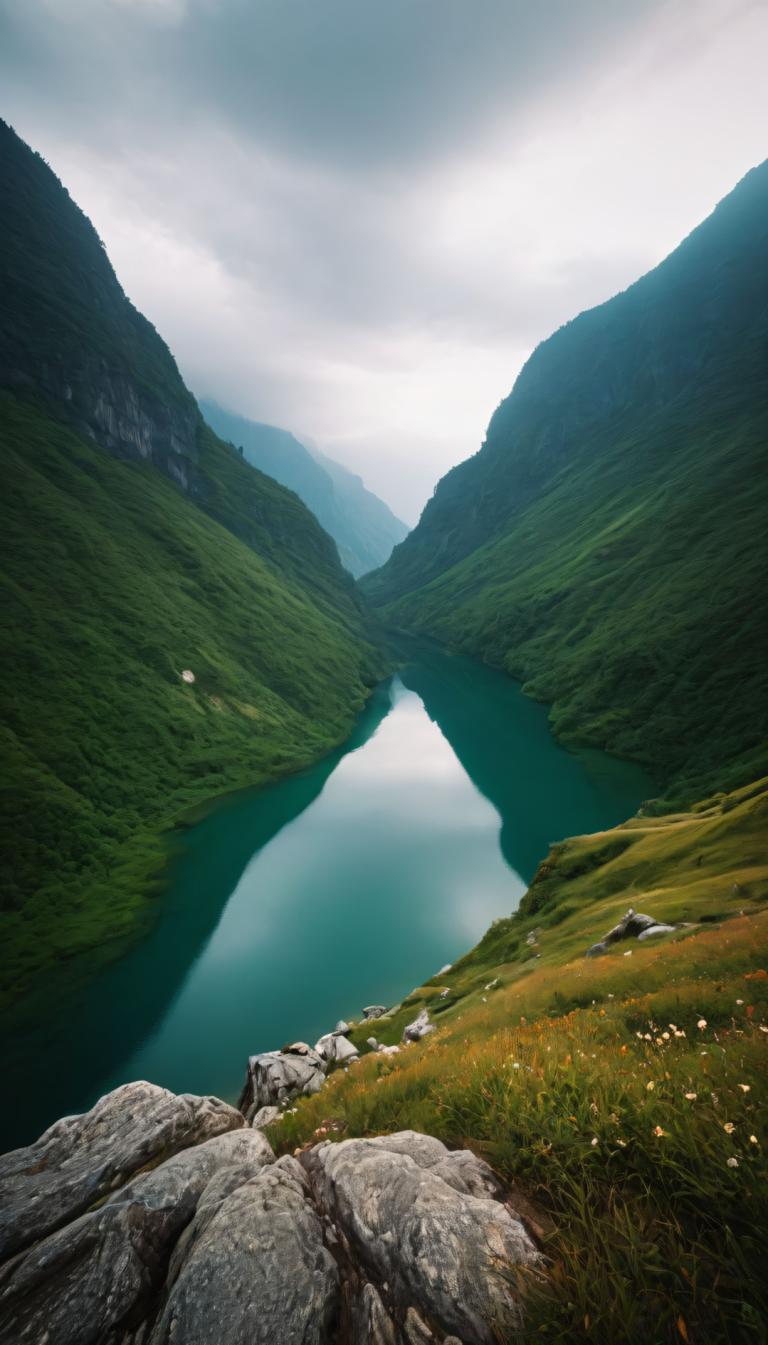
x=633 y=925
x=419 y=1027
x=335 y=1049
x=81 y=1159
x=440 y=1252
x=275 y=1077
x=105 y=1266
x=374 y=1011
x=652 y=930
x=265 y=1116
x=342 y=1027
x=256 y=1270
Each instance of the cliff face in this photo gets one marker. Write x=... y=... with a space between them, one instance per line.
x=68 y=331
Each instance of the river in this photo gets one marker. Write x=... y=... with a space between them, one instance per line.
x=294 y=905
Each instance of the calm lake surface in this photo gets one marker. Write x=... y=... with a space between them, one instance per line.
x=292 y=906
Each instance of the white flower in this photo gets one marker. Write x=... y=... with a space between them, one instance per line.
x=739 y=1001
x=665 y=1035
x=729 y=1127
x=744 y=1087
x=753 y=1139
x=762 y=1027
x=594 y=1141
x=732 y=1162
x=629 y=954
x=188 y=676
x=515 y=1065
x=702 y=1023
x=691 y=1097
x=650 y=1085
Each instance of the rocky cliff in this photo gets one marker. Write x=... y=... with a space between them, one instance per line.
x=69 y=333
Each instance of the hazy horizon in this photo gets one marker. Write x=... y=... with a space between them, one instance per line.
x=356 y=223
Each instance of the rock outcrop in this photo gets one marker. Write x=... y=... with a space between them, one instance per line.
x=633 y=925
x=273 y=1078
x=420 y=1027
x=157 y=1220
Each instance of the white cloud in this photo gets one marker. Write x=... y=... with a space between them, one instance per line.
x=376 y=284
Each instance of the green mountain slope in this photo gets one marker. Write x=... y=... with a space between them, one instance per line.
x=364 y=528
x=607 y=543
x=121 y=570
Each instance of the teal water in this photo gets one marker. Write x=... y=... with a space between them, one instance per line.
x=349 y=884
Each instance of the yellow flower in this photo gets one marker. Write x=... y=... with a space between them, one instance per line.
x=753 y=1139
x=657 y=1130
x=650 y=1085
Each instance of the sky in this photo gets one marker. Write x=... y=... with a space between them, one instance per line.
x=356 y=218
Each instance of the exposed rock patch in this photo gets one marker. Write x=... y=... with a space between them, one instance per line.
x=386 y=1241
x=633 y=925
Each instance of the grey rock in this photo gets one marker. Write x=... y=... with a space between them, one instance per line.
x=274 y=1077
x=80 y=1159
x=335 y=1049
x=342 y=1027
x=264 y=1117
x=90 y=1276
x=372 y=1324
x=416 y=1330
x=373 y=1043
x=633 y=925
x=257 y=1272
x=419 y=1028
x=374 y=1011
x=652 y=930
x=385 y=1196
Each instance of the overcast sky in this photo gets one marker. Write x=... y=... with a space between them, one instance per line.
x=356 y=218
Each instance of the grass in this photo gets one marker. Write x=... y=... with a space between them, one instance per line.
x=622 y=1098
x=113 y=583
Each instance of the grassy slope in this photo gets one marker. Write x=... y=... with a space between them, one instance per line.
x=538 y=1054
x=113 y=583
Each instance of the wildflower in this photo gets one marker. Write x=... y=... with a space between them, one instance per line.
x=659 y=1041
x=657 y=1130
x=665 y=1036
x=594 y=1141
x=650 y=1085
x=691 y=1097
x=753 y=1139
x=762 y=1027
x=732 y=1162
x=623 y=1143
x=673 y=1026
x=729 y=1127
x=739 y=1001
x=623 y=1050
x=702 y=1023
x=745 y=1087
x=629 y=954
x=515 y=1065
x=648 y=1037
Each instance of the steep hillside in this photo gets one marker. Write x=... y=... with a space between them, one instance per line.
x=123 y=569
x=606 y=545
x=620 y=1098
x=364 y=528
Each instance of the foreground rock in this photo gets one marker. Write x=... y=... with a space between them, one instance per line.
x=423 y=1226
x=275 y=1077
x=388 y=1241
x=81 y=1159
x=633 y=925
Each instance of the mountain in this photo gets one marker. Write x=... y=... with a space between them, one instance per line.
x=364 y=528
x=606 y=545
x=137 y=549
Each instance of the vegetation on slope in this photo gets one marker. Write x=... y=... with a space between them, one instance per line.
x=622 y=1098
x=362 y=526
x=606 y=545
x=113 y=585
